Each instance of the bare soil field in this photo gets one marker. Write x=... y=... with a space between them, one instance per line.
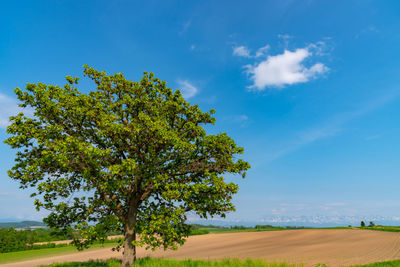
x=70 y=241
x=334 y=247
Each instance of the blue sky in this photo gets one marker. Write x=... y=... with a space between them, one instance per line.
x=310 y=89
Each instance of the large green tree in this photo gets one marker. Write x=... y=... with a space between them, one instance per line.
x=128 y=155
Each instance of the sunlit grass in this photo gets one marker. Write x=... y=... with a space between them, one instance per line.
x=150 y=262
x=43 y=253
x=394 y=263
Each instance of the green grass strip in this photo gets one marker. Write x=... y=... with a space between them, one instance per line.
x=151 y=262
x=394 y=263
x=43 y=253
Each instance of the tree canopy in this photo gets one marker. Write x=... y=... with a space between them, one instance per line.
x=128 y=155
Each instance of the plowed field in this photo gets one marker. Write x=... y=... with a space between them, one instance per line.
x=334 y=247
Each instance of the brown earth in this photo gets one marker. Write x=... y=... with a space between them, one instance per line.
x=334 y=247
x=70 y=241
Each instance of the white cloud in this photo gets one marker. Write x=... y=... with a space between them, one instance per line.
x=320 y=48
x=262 y=51
x=187 y=89
x=284 y=36
x=284 y=69
x=241 y=51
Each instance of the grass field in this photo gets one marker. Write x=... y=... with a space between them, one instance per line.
x=43 y=253
x=382 y=228
x=147 y=262
x=218 y=229
x=316 y=246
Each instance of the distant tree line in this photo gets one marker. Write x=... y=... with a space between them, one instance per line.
x=23 y=224
x=13 y=240
x=295 y=227
x=371 y=224
x=267 y=226
x=17 y=240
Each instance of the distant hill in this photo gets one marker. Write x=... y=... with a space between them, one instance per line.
x=23 y=224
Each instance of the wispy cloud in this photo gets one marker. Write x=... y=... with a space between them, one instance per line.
x=241 y=51
x=369 y=30
x=329 y=208
x=285 y=69
x=285 y=38
x=331 y=127
x=187 y=89
x=9 y=107
x=238 y=120
x=242 y=120
x=244 y=51
x=185 y=26
x=262 y=51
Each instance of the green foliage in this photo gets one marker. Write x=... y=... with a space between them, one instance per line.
x=127 y=156
x=268 y=227
x=362 y=224
x=13 y=240
x=383 y=228
x=239 y=227
x=371 y=224
x=295 y=227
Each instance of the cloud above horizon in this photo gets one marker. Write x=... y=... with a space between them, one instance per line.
x=187 y=89
x=243 y=51
x=284 y=69
x=280 y=70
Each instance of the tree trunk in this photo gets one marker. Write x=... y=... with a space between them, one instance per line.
x=129 y=255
